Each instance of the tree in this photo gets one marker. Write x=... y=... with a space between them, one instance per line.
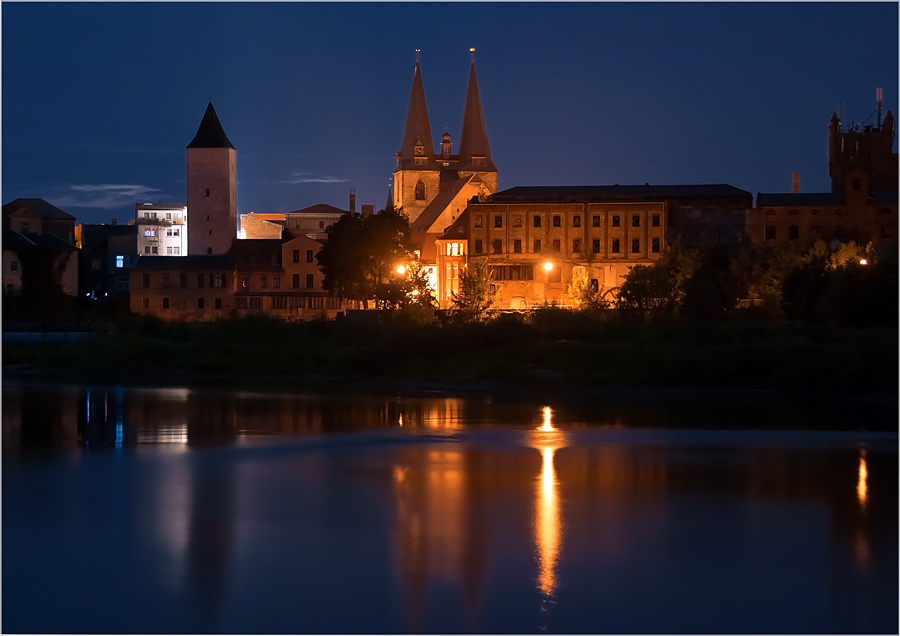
x=361 y=255
x=475 y=301
x=586 y=296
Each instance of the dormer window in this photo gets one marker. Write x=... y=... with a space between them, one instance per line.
x=479 y=161
x=421 y=161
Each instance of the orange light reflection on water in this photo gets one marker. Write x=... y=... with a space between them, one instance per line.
x=862 y=485
x=548 y=520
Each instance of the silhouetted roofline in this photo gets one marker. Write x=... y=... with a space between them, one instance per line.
x=210 y=134
x=37 y=206
x=782 y=199
x=580 y=194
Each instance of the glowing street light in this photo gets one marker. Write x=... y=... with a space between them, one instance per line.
x=863 y=261
x=548 y=266
x=401 y=269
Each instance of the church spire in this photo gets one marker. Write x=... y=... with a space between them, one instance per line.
x=210 y=134
x=417 y=140
x=473 y=139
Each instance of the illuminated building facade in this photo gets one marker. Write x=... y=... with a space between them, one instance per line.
x=537 y=240
x=162 y=229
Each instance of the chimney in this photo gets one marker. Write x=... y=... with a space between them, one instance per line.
x=115 y=221
x=367 y=207
x=795 y=185
x=352 y=200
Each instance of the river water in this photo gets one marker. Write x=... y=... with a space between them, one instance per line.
x=220 y=510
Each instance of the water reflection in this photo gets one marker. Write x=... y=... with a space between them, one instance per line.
x=861 y=485
x=548 y=517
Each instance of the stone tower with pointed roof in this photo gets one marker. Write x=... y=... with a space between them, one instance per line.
x=421 y=174
x=211 y=188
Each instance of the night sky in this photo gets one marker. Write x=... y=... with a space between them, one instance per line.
x=100 y=100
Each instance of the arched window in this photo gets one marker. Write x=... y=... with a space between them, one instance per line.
x=770 y=232
x=885 y=231
x=420 y=191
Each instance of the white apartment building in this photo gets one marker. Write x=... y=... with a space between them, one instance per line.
x=162 y=229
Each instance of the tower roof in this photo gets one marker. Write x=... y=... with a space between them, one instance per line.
x=417 y=128
x=473 y=139
x=210 y=134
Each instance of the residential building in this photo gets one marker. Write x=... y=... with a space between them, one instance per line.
x=162 y=229
x=105 y=258
x=260 y=225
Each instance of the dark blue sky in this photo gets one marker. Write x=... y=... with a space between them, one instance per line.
x=100 y=100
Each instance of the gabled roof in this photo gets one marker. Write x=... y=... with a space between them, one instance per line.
x=257 y=254
x=417 y=128
x=319 y=208
x=16 y=241
x=196 y=262
x=473 y=138
x=437 y=206
x=210 y=134
x=764 y=199
x=38 y=207
x=599 y=194
x=458 y=230
x=50 y=241
x=92 y=234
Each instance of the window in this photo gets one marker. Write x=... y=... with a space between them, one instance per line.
x=885 y=231
x=479 y=220
x=615 y=220
x=316 y=302
x=595 y=246
x=635 y=246
x=332 y=303
x=217 y=303
x=635 y=220
x=182 y=280
x=576 y=245
x=595 y=220
x=145 y=280
x=245 y=281
x=122 y=283
x=615 y=246
x=815 y=212
x=576 y=220
x=793 y=232
x=536 y=220
x=279 y=302
x=517 y=246
x=240 y=302
x=176 y=232
x=557 y=220
x=420 y=191
x=182 y=303
x=556 y=245
x=153 y=250
x=26 y=227
x=856 y=184
x=200 y=303
x=276 y=281
x=255 y=302
x=219 y=280
x=295 y=256
x=537 y=246
x=297 y=302
x=169 y=232
x=14 y=266
x=478 y=161
x=209 y=250
x=165 y=280
x=512 y=272
x=498 y=221
x=595 y=284
x=309 y=256
x=201 y=281
x=145 y=303
x=169 y=251
x=165 y=303
x=498 y=246
x=793 y=212
x=176 y=250
x=654 y=246
x=206 y=195
x=421 y=161
x=479 y=248
x=263 y=282
x=309 y=281
x=770 y=232
x=654 y=220
x=120 y=261
x=146 y=249
x=816 y=229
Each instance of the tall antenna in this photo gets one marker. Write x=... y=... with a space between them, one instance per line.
x=472 y=51
x=878 y=96
x=417 y=56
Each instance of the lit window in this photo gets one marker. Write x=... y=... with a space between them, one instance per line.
x=120 y=261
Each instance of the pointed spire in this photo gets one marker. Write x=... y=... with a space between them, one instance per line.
x=210 y=134
x=473 y=138
x=417 y=129
x=390 y=201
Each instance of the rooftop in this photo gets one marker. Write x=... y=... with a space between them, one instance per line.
x=617 y=192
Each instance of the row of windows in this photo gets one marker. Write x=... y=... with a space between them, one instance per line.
x=556 y=220
x=215 y=280
x=556 y=246
x=512 y=272
x=794 y=232
x=295 y=256
x=276 y=281
x=255 y=302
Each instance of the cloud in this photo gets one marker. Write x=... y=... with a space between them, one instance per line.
x=307 y=177
x=105 y=196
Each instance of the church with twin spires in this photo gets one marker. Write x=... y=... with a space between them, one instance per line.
x=433 y=188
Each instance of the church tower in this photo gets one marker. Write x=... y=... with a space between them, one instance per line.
x=211 y=188
x=417 y=177
x=474 y=149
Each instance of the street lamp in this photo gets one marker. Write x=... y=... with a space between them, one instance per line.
x=863 y=261
x=401 y=269
x=548 y=267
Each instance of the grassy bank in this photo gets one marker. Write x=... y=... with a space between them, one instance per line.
x=550 y=350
